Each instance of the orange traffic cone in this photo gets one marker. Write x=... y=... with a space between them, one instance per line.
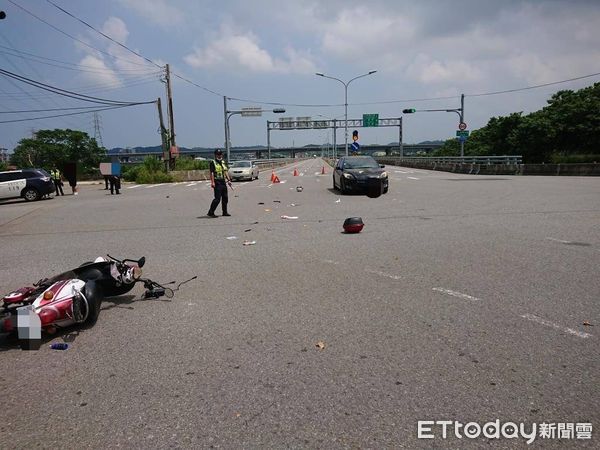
x=323 y=171
x=273 y=175
x=295 y=172
x=276 y=179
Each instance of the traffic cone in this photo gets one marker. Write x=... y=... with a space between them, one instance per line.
x=323 y=171
x=276 y=179
x=273 y=175
x=295 y=172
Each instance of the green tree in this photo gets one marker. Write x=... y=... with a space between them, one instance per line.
x=57 y=147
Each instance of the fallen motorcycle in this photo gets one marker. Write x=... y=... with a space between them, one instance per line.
x=72 y=297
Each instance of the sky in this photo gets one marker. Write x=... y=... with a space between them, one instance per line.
x=265 y=53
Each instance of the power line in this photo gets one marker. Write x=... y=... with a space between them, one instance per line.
x=533 y=87
x=75 y=113
x=100 y=32
x=73 y=37
x=47 y=110
x=93 y=88
x=75 y=66
x=64 y=92
x=197 y=85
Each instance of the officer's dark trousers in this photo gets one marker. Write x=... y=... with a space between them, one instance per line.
x=58 y=186
x=220 y=194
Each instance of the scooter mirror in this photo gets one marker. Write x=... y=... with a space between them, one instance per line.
x=141 y=262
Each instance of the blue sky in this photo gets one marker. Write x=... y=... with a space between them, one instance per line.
x=268 y=52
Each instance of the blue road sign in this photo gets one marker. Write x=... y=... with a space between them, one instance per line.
x=355 y=146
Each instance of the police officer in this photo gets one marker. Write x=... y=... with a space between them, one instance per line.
x=219 y=178
x=57 y=179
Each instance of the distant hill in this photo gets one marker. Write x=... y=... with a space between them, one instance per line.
x=157 y=148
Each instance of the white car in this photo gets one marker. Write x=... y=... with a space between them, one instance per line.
x=247 y=170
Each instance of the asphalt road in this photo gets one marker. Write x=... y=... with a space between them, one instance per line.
x=464 y=298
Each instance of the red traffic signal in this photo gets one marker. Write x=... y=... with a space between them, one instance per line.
x=355 y=135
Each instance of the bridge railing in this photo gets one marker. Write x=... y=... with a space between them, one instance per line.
x=489 y=160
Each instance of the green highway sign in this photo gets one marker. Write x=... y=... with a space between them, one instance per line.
x=464 y=133
x=370 y=120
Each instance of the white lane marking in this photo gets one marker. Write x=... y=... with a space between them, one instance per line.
x=329 y=261
x=191 y=184
x=541 y=321
x=400 y=171
x=455 y=294
x=383 y=274
x=413 y=178
x=558 y=240
x=133 y=187
x=152 y=185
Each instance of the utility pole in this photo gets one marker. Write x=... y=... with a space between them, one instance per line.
x=164 y=139
x=171 y=118
x=226 y=127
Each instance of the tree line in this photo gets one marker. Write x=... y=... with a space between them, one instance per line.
x=566 y=130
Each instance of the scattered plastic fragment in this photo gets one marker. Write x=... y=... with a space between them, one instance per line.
x=249 y=242
x=289 y=217
x=261 y=203
x=338 y=200
x=587 y=324
x=267 y=210
x=231 y=238
x=320 y=345
x=249 y=229
x=299 y=188
x=59 y=346
x=276 y=201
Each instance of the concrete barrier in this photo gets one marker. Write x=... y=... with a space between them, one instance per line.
x=572 y=169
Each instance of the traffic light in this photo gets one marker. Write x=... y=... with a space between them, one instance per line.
x=355 y=135
x=409 y=111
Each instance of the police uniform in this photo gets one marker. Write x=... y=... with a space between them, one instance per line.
x=56 y=178
x=220 y=176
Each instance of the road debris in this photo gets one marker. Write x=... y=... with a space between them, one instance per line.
x=320 y=345
x=353 y=225
x=587 y=324
x=249 y=229
x=299 y=188
x=339 y=200
x=289 y=217
x=231 y=238
x=249 y=243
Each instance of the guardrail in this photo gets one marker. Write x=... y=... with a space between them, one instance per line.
x=504 y=159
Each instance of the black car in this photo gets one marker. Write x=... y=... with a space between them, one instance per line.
x=359 y=174
x=31 y=184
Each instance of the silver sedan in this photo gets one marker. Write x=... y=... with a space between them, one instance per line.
x=247 y=170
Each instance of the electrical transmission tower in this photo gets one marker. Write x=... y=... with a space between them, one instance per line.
x=97 y=129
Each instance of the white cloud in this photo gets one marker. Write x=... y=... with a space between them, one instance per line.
x=116 y=29
x=360 y=33
x=160 y=12
x=236 y=50
x=428 y=70
x=103 y=73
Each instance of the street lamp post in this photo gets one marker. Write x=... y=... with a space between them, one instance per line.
x=228 y=115
x=346 y=100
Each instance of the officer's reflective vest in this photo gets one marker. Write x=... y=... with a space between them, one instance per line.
x=220 y=169
x=55 y=174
